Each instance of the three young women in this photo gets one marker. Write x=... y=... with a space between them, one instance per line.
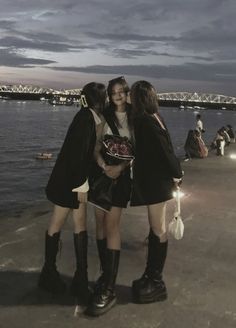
x=156 y=171
x=67 y=189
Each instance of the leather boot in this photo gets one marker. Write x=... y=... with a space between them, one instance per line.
x=49 y=278
x=79 y=286
x=150 y=287
x=102 y=253
x=105 y=298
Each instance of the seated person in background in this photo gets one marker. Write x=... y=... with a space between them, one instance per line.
x=229 y=130
x=195 y=146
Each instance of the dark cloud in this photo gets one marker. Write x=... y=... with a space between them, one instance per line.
x=130 y=37
x=201 y=72
x=6 y=24
x=127 y=53
x=20 y=43
x=11 y=59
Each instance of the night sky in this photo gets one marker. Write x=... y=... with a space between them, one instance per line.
x=178 y=45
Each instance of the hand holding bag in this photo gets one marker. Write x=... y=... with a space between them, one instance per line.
x=176 y=225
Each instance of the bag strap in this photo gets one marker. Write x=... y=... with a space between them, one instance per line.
x=111 y=124
x=159 y=121
x=178 y=209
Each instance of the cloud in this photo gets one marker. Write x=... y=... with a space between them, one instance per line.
x=130 y=37
x=6 y=25
x=129 y=53
x=20 y=43
x=192 y=42
x=12 y=59
x=215 y=72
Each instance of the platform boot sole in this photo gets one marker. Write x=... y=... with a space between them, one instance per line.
x=149 y=298
x=99 y=311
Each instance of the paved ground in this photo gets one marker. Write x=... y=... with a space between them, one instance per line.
x=200 y=272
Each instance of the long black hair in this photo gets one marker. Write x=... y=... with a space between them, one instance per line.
x=143 y=98
x=111 y=108
x=93 y=95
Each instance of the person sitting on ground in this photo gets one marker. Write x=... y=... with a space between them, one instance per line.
x=194 y=146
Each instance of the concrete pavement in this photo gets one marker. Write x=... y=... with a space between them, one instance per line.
x=200 y=271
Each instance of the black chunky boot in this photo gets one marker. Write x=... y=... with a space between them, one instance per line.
x=79 y=286
x=49 y=278
x=150 y=287
x=102 y=253
x=105 y=298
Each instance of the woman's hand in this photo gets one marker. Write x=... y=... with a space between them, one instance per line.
x=113 y=171
x=82 y=197
x=177 y=182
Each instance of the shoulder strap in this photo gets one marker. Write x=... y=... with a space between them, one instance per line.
x=159 y=121
x=111 y=124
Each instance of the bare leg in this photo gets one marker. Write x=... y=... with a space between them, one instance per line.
x=157 y=220
x=80 y=218
x=58 y=219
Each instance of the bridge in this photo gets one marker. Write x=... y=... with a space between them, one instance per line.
x=21 y=91
x=197 y=97
x=20 y=88
x=173 y=99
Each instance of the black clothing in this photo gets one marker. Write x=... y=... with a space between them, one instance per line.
x=122 y=185
x=195 y=146
x=74 y=160
x=50 y=279
x=150 y=287
x=79 y=285
x=155 y=163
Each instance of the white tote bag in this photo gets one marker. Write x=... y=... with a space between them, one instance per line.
x=176 y=225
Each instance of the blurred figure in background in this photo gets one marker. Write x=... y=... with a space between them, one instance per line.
x=199 y=124
x=229 y=130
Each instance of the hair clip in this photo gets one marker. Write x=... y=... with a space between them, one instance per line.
x=83 y=101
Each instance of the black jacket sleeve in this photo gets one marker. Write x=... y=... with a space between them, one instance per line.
x=78 y=147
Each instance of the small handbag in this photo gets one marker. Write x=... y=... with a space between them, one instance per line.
x=176 y=225
x=100 y=192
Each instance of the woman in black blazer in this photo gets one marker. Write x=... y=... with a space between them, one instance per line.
x=67 y=189
x=156 y=171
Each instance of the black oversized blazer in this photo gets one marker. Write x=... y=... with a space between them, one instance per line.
x=155 y=163
x=74 y=160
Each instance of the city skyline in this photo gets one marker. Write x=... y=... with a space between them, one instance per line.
x=176 y=45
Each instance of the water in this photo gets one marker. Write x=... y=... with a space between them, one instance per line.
x=27 y=128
